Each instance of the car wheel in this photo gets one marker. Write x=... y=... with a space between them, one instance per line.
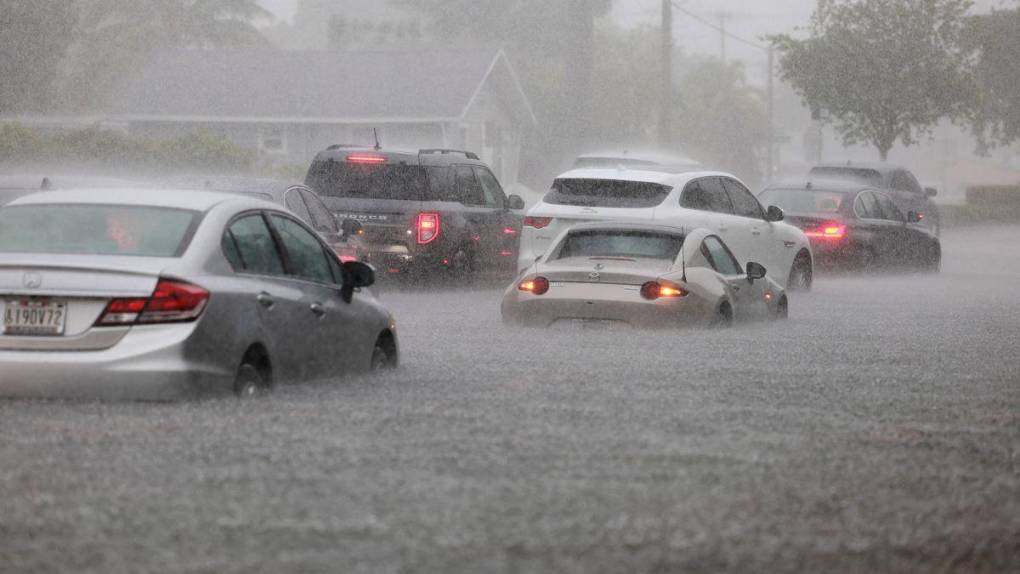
x=933 y=261
x=866 y=258
x=383 y=356
x=782 y=310
x=801 y=274
x=723 y=317
x=250 y=382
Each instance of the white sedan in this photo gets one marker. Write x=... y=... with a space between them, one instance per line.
x=642 y=275
x=691 y=199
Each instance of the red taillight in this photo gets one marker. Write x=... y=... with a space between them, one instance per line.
x=653 y=290
x=364 y=158
x=427 y=226
x=535 y=285
x=171 y=301
x=509 y=231
x=828 y=231
x=537 y=222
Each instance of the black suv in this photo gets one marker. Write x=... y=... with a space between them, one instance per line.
x=898 y=181
x=422 y=211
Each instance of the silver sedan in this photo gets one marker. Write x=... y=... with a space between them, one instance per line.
x=642 y=275
x=151 y=294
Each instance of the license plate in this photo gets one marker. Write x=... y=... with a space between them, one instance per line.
x=42 y=317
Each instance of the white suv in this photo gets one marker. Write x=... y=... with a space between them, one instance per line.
x=694 y=199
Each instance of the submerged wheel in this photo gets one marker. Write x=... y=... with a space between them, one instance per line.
x=801 y=273
x=723 y=318
x=384 y=355
x=933 y=260
x=250 y=382
x=782 y=310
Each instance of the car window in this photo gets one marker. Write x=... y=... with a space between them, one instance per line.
x=720 y=257
x=441 y=186
x=332 y=178
x=254 y=249
x=867 y=206
x=469 y=188
x=322 y=219
x=606 y=193
x=621 y=243
x=912 y=184
x=889 y=209
x=744 y=204
x=706 y=194
x=494 y=195
x=804 y=200
x=304 y=252
x=294 y=203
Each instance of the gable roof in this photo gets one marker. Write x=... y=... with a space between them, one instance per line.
x=391 y=85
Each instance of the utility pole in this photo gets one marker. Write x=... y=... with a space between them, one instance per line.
x=722 y=36
x=666 y=76
x=770 y=91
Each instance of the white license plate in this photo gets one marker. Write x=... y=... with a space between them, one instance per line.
x=43 y=317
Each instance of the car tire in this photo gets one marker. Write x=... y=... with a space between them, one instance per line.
x=866 y=259
x=382 y=357
x=933 y=260
x=801 y=273
x=782 y=310
x=250 y=382
x=723 y=318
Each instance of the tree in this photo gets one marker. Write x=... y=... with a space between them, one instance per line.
x=882 y=70
x=996 y=39
x=34 y=39
x=118 y=37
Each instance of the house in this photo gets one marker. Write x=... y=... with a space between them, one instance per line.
x=291 y=104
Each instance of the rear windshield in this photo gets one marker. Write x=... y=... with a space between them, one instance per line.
x=626 y=244
x=96 y=230
x=606 y=193
x=861 y=174
x=332 y=178
x=804 y=200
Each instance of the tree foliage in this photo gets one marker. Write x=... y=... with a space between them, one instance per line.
x=34 y=39
x=882 y=70
x=996 y=39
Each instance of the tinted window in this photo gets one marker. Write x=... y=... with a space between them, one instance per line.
x=304 y=252
x=744 y=204
x=720 y=257
x=606 y=193
x=629 y=244
x=441 y=186
x=493 y=192
x=294 y=203
x=862 y=174
x=706 y=194
x=95 y=230
x=254 y=246
x=322 y=219
x=804 y=200
x=889 y=209
x=332 y=178
x=905 y=181
x=468 y=187
x=867 y=206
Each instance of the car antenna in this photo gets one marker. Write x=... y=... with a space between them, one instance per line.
x=376 y=132
x=683 y=256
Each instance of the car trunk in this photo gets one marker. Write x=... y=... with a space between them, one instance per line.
x=385 y=221
x=604 y=270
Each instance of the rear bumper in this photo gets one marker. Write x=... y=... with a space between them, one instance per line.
x=149 y=363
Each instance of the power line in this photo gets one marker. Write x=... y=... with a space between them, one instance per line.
x=717 y=28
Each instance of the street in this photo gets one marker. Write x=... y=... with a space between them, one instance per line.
x=877 y=430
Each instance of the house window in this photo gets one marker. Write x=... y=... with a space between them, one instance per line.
x=273 y=139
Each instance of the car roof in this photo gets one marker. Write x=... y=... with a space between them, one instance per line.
x=652 y=157
x=663 y=175
x=880 y=167
x=41 y=182
x=174 y=198
x=820 y=184
x=423 y=156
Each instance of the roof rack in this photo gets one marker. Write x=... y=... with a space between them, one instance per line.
x=346 y=146
x=467 y=154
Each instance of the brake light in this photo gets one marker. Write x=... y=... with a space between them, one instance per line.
x=653 y=290
x=537 y=222
x=535 y=285
x=363 y=158
x=827 y=231
x=171 y=301
x=428 y=228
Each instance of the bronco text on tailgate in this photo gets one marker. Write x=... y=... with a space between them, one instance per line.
x=422 y=211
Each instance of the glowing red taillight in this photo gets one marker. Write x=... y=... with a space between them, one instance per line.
x=171 y=301
x=427 y=226
x=365 y=158
x=653 y=290
x=827 y=231
x=537 y=222
x=535 y=285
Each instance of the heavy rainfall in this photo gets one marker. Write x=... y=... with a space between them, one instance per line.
x=509 y=286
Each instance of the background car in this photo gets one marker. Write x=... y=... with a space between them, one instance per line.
x=423 y=211
x=344 y=237
x=853 y=225
x=897 y=181
x=158 y=295
x=641 y=275
x=689 y=199
x=15 y=186
x=613 y=159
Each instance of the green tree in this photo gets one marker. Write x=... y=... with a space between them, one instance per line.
x=117 y=37
x=34 y=39
x=996 y=39
x=882 y=70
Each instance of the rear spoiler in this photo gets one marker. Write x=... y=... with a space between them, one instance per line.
x=442 y=151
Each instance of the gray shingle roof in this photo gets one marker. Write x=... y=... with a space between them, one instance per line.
x=376 y=84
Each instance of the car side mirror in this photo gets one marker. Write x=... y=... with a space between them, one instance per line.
x=774 y=213
x=913 y=217
x=351 y=227
x=359 y=274
x=755 y=271
x=515 y=202
x=931 y=191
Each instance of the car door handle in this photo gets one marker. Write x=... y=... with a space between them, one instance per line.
x=266 y=300
x=318 y=309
